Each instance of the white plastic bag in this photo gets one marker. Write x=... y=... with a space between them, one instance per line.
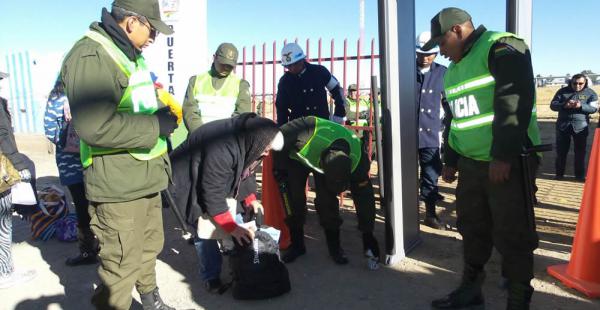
x=22 y=194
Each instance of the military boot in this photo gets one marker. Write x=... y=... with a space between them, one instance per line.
x=152 y=301
x=333 y=245
x=519 y=295
x=468 y=294
x=297 y=247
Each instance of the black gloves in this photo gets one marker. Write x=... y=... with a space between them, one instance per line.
x=167 y=121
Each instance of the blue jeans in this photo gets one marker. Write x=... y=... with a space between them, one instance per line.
x=209 y=257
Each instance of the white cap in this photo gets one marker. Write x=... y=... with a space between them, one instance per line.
x=423 y=38
x=291 y=53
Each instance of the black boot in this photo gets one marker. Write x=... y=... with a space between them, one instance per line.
x=333 y=245
x=371 y=250
x=468 y=294
x=297 y=247
x=519 y=295
x=152 y=301
x=84 y=258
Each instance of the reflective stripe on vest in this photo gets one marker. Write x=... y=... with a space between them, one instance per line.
x=325 y=133
x=139 y=98
x=215 y=104
x=469 y=88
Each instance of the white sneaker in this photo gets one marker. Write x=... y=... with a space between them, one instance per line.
x=17 y=277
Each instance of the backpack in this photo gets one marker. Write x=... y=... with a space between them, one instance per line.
x=258 y=272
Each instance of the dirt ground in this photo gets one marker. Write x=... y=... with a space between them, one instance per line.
x=429 y=271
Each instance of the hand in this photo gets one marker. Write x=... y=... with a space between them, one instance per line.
x=257 y=206
x=499 y=171
x=167 y=121
x=338 y=119
x=448 y=174
x=242 y=235
x=576 y=104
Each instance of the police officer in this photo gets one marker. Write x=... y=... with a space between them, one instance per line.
x=301 y=89
x=218 y=93
x=123 y=148
x=430 y=101
x=363 y=107
x=335 y=157
x=490 y=88
x=574 y=104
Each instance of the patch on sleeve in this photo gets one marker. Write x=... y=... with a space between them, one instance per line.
x=502 y=49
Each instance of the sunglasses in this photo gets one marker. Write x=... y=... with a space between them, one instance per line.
x=578 y=83
x=153 y=31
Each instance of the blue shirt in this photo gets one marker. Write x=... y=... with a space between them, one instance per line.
x=70 y=170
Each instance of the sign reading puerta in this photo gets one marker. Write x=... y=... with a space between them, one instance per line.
x=175 y=58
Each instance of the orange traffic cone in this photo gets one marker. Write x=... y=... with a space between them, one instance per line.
x=271 y=200
x=583 y=270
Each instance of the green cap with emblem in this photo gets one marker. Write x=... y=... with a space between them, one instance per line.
x=442 y=22
x=226 y=54
x=147 y=8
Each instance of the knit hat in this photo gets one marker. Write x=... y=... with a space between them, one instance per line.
x=337 y=167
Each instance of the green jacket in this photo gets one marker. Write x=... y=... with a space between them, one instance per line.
x=509 y=62
x=94 y=85
x=191 y=115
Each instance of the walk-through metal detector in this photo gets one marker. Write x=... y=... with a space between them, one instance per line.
x=399 y=117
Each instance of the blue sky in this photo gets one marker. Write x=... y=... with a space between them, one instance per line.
x=565 y=37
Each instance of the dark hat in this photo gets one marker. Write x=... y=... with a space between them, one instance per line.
x=352 y=87
x=337 y=167
x=227 y=54
x=147 y=8
x=442 y=22
x=3 y=75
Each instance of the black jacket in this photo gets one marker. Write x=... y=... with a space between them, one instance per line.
x=207 y=169
x=305 y=94
x=8 y=146
x=576 y=118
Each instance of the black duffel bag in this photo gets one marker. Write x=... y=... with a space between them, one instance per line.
x=258 y=272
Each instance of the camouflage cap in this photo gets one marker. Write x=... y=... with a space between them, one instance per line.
x=352 y=87
x=147 y=8
x=442 y=22
x=226 y=54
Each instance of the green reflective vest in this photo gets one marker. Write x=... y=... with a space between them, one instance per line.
x=469 y=87
x=215 y=104
x=325 y=133
x=363 y=110
x=139 y=98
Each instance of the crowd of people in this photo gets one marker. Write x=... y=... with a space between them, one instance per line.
x=114 y=155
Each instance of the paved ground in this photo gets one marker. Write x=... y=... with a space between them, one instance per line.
x=429 y=271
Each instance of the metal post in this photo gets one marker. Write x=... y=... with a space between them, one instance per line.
x=398 y=66
x=518 y=18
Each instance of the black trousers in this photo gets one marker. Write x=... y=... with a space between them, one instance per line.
x=431 y=168
x=563 y=143
x=87 y=240
x=326 y=201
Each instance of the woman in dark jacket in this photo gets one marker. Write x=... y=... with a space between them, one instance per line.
x=574 y=104
x=209 y=171
x=8 y=275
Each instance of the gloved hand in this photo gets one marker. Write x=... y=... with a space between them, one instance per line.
x=338 y=119
x=25 y=175
x=167 y=121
